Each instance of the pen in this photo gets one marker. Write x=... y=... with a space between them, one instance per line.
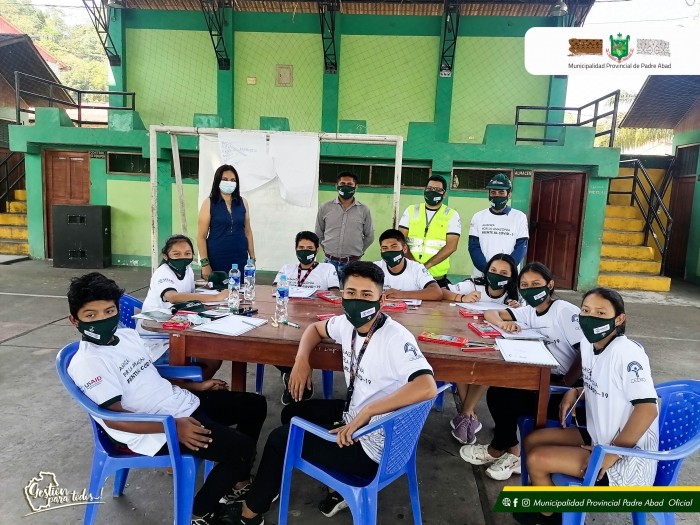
x=249 y=324
x=291 y=324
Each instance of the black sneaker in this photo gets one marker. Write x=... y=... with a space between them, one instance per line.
x=236 y=495
x=332 y=505
x=209 y=518
x=287 y=395
x=231 y=515
x=536 y=518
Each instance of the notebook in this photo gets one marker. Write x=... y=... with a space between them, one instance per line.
x=525 y=351
x=483 y=306
x=524 y=333
x=232 y=325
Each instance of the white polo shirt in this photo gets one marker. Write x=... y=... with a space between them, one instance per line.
x=560 y=324
x=124 y=372
x=391 y=359
x=323 y=277
x=498 y=233
x=162 y=280
x=468 y=286
x=615 y=380
x=414 y=276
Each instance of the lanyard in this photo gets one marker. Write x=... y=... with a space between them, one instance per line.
x=355 y=367
x=300 y=281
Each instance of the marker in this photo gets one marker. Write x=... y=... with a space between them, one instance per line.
x=291 y=324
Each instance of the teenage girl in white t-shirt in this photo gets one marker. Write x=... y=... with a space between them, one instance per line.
x=173 y=283
x=621 y=407
x=499 y=285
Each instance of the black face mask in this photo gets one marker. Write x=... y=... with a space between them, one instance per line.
x=179 y=266
x=535 y=296
x=596 y=328
x=306 y=256
x=99 y=332
x=497 y=281
x=433 y=198
x=360 y=312
x=392 y=258
x=346 y=192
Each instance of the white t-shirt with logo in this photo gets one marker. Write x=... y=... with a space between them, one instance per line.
x=615 y=379
x=414 y=276
x=162 y=280
x=560 y=324
x=323 y=277
x=124 y=372
x=454 y=226
x=468 y=286
x=392 y=358
x=498 y=233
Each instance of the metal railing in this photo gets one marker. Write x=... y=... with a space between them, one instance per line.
x=653 y=201
x=11 y=174
x=61 y=102
x=593 y=120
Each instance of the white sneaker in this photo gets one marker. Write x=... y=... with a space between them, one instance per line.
x=504 y=467
x=476 y=454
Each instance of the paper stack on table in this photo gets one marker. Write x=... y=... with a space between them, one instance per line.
x=482 y=306
x=524 y=333
x=523 y=351
x=232 y=325
x=159 y=314
x=412 y=302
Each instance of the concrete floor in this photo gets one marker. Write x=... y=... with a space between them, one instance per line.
x=43 y=430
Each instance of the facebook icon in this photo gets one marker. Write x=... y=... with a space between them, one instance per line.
x=515 y=502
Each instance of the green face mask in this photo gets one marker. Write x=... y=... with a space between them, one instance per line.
x=596 y=328
x=433 y=198
x=346 y=192
x=99 y=332
x=392 y=258
x=179 y=266
x=496 y=281
x=498 y=203
x=306 y=256
x=360 y=312
x=535 y=296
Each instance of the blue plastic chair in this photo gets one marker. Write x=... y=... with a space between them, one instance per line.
x=440 y=399
x=108 y=460
x=679 y=437
x=326 y=378
x=401 y=430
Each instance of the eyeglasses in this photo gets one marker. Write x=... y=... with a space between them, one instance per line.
x=436 y=190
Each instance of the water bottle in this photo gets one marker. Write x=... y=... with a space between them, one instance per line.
x=249 y=281
x=282 y=300
x=234 y=286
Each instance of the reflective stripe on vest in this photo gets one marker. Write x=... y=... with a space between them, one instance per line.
x=425 y=244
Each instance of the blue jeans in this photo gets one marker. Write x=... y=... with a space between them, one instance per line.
x=339 y=267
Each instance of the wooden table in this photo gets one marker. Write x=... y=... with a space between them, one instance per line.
x=278 y=346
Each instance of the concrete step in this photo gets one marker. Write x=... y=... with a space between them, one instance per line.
x=623 y=212
x=18 y=233
x=629 y=265
x=614 y=251
x=628 y=225
x=13 y=219
x=622 y=237
x=17 y=207
x=20 y=195
x=634 y=281
x=12 y=247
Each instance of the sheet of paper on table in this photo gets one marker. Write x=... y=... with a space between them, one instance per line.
x=232 y=325
x=299 y=292
x=206 y=291
x=159 y=314
x=412 y=302
x=525 y=333
x=523 y=351
x=483 y=306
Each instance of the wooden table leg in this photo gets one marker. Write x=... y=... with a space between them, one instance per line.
x=543 y=399
x=238 y=373
x=177 y=350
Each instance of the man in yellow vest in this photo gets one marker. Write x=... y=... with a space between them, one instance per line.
x=432 y=230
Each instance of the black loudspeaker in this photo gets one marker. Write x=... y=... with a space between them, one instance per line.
x=82 y=236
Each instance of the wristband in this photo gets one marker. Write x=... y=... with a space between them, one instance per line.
x=204 y=261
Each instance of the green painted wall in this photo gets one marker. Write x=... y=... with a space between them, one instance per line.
x=173 y=73
x=256 y=55
x=35 y=204
x=131 y=217
x=490 y=80
x=191 y=211
x=396 y=86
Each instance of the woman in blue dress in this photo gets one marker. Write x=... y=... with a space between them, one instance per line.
x=224 y=236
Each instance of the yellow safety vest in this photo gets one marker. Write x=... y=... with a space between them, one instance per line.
x=425 y=240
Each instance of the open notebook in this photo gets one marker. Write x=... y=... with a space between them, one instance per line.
x=231 y=325
x=526 y=351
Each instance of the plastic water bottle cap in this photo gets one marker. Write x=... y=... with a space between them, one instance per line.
x=250 y=261
x=234 y=267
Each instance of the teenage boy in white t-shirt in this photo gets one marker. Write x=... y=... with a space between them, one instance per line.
x=113 y=368
x=391 y=373
x=404 y=278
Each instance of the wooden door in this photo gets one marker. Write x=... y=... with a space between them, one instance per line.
x=555 y=224
x=67 y=181
x=681 y=208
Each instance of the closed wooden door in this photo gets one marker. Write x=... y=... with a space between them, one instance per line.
x=555 y=224
x=681 y=208
x=66 y=181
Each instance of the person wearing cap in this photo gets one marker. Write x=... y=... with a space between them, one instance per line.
x=497 y=229
x=432 y=230
x=344 y=225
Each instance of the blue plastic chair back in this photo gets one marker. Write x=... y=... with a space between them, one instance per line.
x=127 y=309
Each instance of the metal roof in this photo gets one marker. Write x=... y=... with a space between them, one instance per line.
x=662 y=102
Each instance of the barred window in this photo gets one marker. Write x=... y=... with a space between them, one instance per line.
x=376 y=175
x=475 y=178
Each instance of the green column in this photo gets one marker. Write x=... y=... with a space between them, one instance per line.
x=692 y=258
x=98 y=181
x=35 y=205
x=593 y=219
x=225 y=78
x=522 y=186
x=331 y=88
x=117 y=82
x=557 y=97
x=165 y=201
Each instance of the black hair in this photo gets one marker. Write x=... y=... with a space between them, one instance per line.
x=346 y=174
x=392 y=234
x=215 y=194
x=440 y=179
x=306 y=236
x=538 y=267
x=365 y=269
x=512 y=288
x=174 y=239
x=90 y=287
x=615 y=299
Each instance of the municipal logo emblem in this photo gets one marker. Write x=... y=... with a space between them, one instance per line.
x=620 y=50
x=634 y=367
x=408 y=347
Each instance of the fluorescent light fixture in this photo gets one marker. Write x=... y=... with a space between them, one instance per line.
x=559 y=9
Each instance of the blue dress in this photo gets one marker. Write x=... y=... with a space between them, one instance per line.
x=226 y=242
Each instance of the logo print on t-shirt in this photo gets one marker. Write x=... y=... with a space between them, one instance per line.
x=408 y=347
x=634 y=367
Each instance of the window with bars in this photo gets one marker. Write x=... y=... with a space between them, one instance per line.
x=687 y=160
x=376 y=175
x=133 y=164
x=475 y=178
